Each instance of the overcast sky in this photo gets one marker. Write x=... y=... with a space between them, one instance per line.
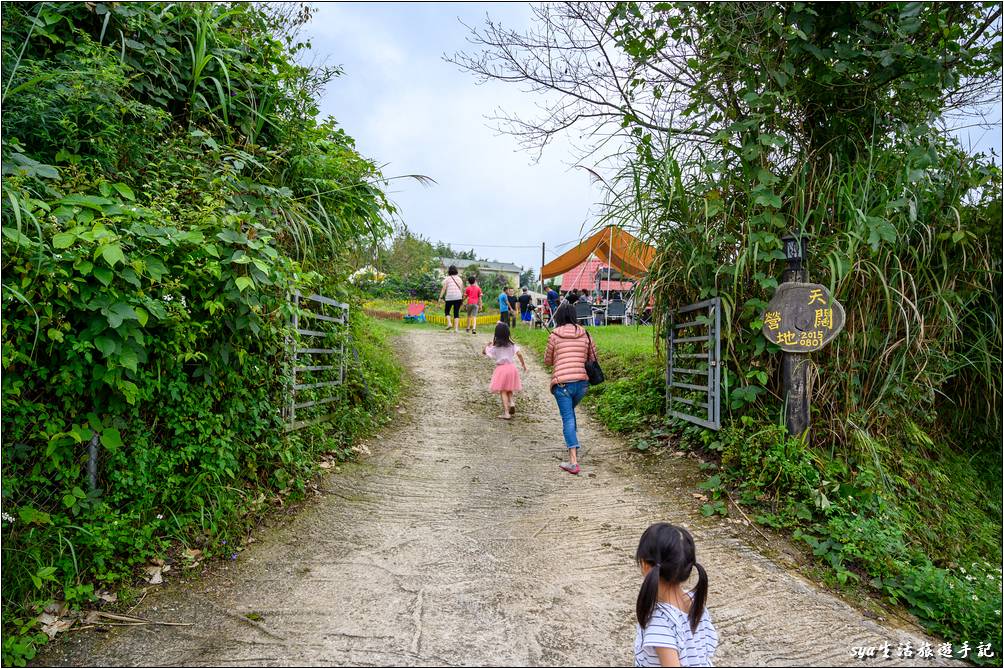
x=413 y=112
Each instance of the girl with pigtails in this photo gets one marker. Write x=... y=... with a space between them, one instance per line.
x=674 y=629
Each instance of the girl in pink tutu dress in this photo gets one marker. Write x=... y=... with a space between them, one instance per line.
x=505 y=379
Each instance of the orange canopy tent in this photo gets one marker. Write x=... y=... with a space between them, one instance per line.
x=620 y=250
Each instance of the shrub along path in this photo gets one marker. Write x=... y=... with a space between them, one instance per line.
x=459 y=541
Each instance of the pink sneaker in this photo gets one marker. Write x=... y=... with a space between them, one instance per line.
x=569 y=467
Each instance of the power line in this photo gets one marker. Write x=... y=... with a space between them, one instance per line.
x=488 y=246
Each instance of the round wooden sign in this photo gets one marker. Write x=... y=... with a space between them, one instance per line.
x=802 y=317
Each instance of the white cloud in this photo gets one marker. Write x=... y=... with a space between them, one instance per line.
x=410 y=109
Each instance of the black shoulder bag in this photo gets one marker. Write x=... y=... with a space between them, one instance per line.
x=593 y=370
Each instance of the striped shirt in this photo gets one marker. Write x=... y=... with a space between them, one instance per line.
x=670 y=628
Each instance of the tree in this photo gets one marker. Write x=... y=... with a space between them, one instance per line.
x=571 y=58
x=408 y=256
x=528 y=279
x=614 y=71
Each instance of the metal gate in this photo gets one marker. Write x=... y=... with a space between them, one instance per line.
x=319 y=355
x=693 y=369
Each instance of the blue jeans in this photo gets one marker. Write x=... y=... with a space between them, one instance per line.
x=568 y=396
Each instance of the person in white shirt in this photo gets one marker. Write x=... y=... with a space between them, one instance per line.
x=453 y=290
x=674 y=628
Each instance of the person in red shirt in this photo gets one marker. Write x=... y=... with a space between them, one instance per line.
x=472 y=296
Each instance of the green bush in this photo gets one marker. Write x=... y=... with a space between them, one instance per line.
x=166 y=185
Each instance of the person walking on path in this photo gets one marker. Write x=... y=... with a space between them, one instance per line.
x=473 y=295
x=503 y=302
x=525 y=300
x=453 y=290
x=674 y=629
x=505 y=378
x=510 y=294
x=568 y=348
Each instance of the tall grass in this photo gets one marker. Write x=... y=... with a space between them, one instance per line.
x=911 y=252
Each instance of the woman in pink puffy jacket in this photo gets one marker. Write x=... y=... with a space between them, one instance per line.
x=568 y=348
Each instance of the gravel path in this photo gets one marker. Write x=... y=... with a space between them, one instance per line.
x=460 y=542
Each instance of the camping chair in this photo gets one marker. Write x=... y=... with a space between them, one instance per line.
x=584 y=312
x=416 y=312
x=616 y=310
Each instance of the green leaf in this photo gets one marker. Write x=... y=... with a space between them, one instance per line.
x=142 y=316
x=712 y=483
x=232 y=237
x=118 y=312
x=63 y=240
x=129 y=390
x=111 y=438
x=155 y=267
x=128 y=359
x=17 y=237
x=91 y=201
x=104 y=275
x=69 y=501
x=77 y=492
x=125 y=191
x=768 y=200
x=243 y=282
x=105 y=344
x=30 y=515
x=112 y=253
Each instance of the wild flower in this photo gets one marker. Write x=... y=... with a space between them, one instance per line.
x=6 y=516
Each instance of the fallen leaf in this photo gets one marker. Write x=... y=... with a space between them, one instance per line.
x=697 y=495
x=56 y=607
x=191 y=553
x=57 y=627
x=156 y=576
x=108 y=596
x=47 y=619
x=327 y=465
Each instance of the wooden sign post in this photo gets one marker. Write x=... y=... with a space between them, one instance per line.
x=801 y=318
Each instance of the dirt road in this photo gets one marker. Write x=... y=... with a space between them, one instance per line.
x=460 y=542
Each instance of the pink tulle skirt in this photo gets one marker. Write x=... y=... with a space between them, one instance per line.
x=506 y=377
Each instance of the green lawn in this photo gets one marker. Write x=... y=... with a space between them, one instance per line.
x=633 y=392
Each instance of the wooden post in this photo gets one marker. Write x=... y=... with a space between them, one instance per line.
x=795 y=374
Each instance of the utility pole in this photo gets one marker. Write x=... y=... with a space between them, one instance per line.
x=542 y=263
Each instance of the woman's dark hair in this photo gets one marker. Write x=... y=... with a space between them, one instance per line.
x=471 y=279
x=670 y=553
x=452 y=269
x=502 y=337
x=565 y=314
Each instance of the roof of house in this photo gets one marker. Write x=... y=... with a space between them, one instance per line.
x=461 y=263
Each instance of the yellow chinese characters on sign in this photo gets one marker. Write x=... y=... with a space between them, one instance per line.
x=786 y=337
x=802 y=317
